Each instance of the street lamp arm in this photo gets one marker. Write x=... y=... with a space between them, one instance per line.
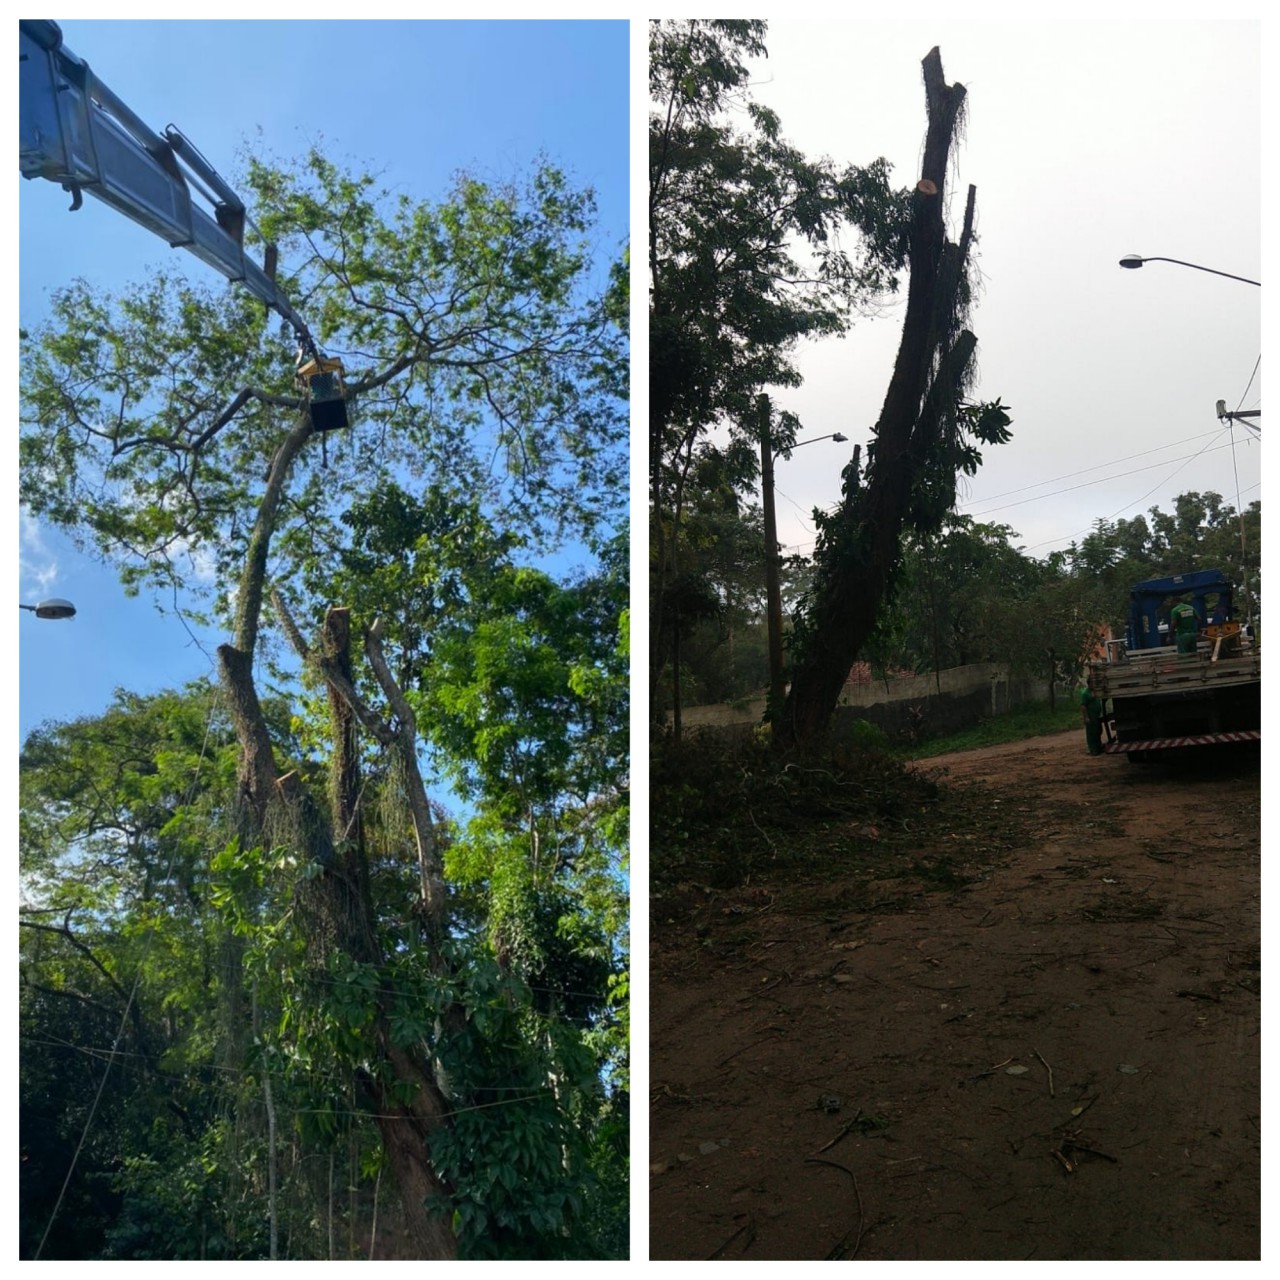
x=831 y=435
x=1134 y=260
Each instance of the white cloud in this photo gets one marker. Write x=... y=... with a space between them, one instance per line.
x=37 y=564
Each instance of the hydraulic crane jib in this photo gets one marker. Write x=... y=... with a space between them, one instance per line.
x=74 y=131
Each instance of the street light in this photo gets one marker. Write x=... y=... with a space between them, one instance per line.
x=834 y=435
x=1133 y=261
x=54 y=608
x=772 y=583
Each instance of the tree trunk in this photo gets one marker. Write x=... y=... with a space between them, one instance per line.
x=406 y=1133
x=345 y=899
x=338 y=902
x=863 y=538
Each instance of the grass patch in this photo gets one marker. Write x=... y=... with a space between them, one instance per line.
x=1031 y=721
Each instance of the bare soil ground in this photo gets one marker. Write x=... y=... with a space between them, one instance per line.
x=1044 y=1050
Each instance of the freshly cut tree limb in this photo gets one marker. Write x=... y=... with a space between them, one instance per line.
x=430 y=866
x=369 y=718
x=402 y=738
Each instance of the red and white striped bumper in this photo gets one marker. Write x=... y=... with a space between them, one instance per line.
x=1191 y=740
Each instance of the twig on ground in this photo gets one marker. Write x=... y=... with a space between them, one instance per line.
x=755 y=1044
x=858 y=1194
x=844 y=1130
x=1048 y=1068
x=772 y=847
x=1078 y=1144
x=1075 y=1115
x=990 y=1071
x=749 y=1226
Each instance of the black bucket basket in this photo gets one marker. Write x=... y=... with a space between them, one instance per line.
x=325 y=389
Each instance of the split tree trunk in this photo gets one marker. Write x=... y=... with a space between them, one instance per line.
x=865 y=533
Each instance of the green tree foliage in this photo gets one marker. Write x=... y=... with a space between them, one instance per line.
x=122 y=951
x=745 y=259
x=477 y=345
x=966 y=593
x=720 y=593
x=963 y=597
x=1203 y=531
x=391 y=1003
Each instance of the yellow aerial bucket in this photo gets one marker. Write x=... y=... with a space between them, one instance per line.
x=321 y=377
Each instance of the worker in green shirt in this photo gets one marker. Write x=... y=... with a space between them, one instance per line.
x=1185 y=622
x=1091 y=714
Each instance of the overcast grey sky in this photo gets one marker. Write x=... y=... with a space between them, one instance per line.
x=1087 y=140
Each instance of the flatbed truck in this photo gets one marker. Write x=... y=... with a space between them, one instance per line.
x=1160 y=700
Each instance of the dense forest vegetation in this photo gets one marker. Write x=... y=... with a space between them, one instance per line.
x=326 y=956
x=967 y=594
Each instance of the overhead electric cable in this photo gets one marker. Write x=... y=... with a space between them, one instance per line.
x=1120 y=475
x=1071 y=474
x=1209 y=447
x=1185 y=461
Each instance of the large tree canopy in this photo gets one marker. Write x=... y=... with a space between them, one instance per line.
x=479 y=341
x=457 y=990
x=746 y=257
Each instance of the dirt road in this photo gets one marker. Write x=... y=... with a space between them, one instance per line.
x=1059 y=1059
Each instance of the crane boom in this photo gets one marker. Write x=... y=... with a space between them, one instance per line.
x=74 y=131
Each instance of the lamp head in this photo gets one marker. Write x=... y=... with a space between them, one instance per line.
x=55 y=609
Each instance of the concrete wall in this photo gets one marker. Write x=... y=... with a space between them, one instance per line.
x=950 y=700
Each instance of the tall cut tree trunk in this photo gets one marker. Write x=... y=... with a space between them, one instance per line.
x=338 y=900
x=863 y=539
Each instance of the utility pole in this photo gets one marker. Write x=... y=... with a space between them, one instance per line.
x=773 y=553
x=772 y=562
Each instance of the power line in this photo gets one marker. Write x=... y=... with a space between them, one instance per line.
x=1072 y=474
x=1119 y=475
x=1256 y=365
x=94 y=1052
x=1187 y=459
x=1209 y=447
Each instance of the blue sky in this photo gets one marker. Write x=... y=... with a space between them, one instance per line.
x=414 y=102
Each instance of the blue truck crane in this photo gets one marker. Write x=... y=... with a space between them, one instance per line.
x=74 y=131
x=1162 y=699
